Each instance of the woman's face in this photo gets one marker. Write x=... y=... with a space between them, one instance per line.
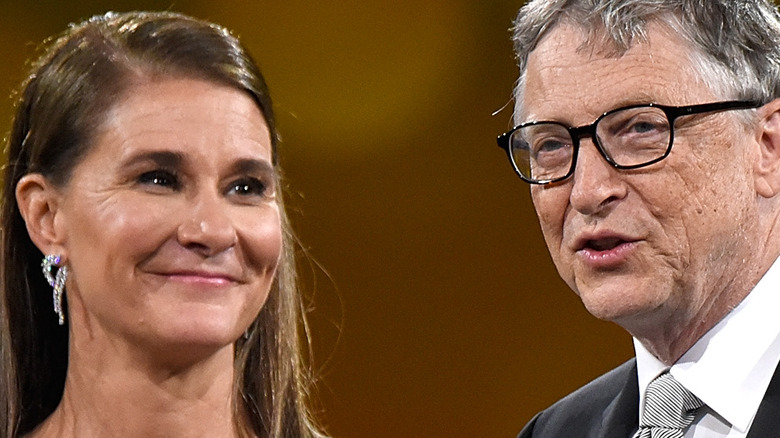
x=171 y=224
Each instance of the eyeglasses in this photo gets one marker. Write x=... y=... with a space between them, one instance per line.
x=628 y=138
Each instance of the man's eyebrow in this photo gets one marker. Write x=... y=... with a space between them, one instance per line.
x=639 y=99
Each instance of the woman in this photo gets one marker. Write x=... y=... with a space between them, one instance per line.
x=142 y=177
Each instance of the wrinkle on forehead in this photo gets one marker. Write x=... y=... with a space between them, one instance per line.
x=561 y=73
x=593 y=48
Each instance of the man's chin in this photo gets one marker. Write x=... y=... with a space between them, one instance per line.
x=620 y=307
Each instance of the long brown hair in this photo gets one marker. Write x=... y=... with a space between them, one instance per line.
x=79 y=76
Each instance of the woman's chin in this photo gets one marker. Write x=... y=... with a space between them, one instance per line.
x=191 y=340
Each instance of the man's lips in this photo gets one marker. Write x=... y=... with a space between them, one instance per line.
x=602 y=242
x=604 y=249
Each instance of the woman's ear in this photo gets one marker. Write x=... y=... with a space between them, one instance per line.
x=39 y=203
x=766 y=169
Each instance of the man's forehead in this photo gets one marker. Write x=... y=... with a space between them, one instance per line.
x=567 y=72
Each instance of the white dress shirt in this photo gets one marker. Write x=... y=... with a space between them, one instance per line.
x=730 y=367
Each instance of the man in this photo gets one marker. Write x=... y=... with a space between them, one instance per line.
x=650 y=133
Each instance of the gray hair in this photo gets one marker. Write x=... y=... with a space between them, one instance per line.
x=735 y=44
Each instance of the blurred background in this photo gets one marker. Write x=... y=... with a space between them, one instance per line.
x=436 y=311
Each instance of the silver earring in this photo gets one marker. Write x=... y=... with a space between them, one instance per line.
x=57 y=282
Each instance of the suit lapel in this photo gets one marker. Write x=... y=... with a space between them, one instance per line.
x=766 y=422
x=621 y=418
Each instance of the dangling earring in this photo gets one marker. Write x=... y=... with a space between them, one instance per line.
x=57 y=282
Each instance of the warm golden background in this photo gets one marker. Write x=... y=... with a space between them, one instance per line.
x=437 y=312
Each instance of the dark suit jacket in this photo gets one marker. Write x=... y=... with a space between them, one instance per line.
x=608 y=407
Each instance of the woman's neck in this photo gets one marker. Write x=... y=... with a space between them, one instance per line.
x=126 y=395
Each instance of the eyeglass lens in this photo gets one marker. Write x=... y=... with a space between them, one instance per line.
x=627 y=137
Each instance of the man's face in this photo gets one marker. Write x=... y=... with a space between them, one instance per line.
x=650 y=247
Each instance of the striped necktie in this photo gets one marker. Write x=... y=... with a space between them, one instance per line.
x=669 y=409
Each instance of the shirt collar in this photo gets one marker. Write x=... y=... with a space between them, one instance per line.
x=740 y=353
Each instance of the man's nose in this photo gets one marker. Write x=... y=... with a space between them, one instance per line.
x=207 y=227
x=595 y=183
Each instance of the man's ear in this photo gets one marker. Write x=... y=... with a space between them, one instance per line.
x=766 y=169
x=39 y=204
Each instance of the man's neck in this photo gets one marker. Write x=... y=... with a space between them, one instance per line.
x=670 y=337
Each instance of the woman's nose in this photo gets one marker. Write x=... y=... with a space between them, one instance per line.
x=207 y=227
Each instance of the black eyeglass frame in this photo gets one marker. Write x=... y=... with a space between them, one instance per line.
x=579 y=132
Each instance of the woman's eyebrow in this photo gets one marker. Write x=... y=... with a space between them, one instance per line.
x=250 y=165
x=161 y=158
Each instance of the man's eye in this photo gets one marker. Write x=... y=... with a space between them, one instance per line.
x=549 y=146
x=636 y=123
x=159 y=178
x=646 y=127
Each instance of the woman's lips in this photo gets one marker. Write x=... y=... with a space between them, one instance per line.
x=200 y=277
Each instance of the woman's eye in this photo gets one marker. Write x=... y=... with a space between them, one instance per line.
x=159 y=178
x=250 y=187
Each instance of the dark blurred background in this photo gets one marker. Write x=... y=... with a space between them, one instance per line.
x=436 y=309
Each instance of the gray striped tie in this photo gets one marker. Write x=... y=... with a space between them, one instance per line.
x=669 y=409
